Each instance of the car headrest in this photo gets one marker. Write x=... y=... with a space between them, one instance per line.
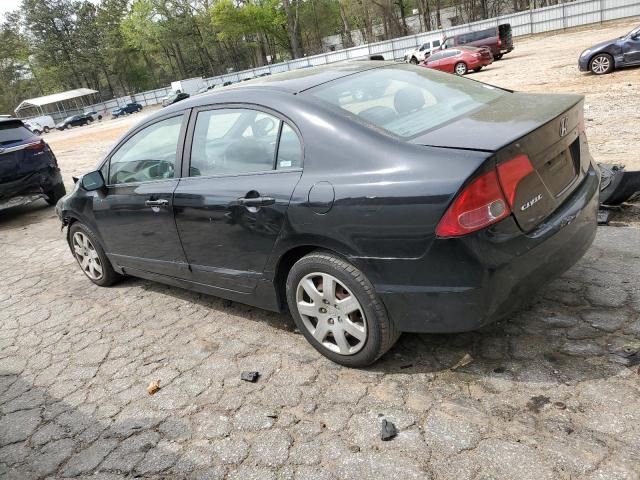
x=408 y=99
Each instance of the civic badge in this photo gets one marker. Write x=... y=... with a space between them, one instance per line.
x=563 y=126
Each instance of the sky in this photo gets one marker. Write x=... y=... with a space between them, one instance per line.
x=8 y=6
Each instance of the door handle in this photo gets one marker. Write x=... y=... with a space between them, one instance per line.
x=256 y=201
x=157 y=203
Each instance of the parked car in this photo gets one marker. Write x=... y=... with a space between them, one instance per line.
x=606 y=56
x=94 y=115
x=439 y=206
x=41 y=124
x=418 y=54
x=498 y=39
x=460 y=60
x=174 y=97
x=74 y=121
x=28 y=168
x=126 y=109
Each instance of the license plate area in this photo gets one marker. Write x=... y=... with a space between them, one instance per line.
x=559 y=172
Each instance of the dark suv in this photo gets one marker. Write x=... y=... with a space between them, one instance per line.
x=28 y=167
x=498 y=39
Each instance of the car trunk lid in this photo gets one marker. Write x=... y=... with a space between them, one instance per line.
x=545 y=128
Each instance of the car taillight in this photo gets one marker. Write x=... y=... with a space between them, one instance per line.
x=479 y=205
x=36 y=147
x=499 y=43
x=511 y=173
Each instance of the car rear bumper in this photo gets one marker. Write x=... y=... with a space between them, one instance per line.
x=488 y=275
x=29 y=187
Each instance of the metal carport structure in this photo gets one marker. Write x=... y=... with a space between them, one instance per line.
x=57 y=104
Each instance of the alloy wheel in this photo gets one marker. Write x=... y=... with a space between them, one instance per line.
x=331 y=313
x=87 y=256
x=600 y=65
x=461 y=69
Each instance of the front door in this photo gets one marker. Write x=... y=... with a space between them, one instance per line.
x=244 y=166
x=135 y=216
x=631 y=49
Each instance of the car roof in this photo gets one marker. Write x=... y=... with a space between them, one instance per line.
x=305 y=78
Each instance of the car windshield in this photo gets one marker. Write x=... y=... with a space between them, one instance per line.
x=406 y=100
x=68 y=119
x=634 y=32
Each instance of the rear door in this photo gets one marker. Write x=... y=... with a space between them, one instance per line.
x=135 y=215
x=243 y=165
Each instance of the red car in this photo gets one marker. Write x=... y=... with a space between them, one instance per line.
x=459 y=60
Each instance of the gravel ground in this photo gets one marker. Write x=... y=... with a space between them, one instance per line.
x=549 y=394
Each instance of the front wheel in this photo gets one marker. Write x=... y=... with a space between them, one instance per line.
x=90 y=256
x=601 y=64
x=46 y=129
x=413 y=61
x=460 y=68
x=337 y=310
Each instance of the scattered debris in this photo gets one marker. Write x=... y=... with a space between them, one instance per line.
x=408 y=365
x=537 y=403
x=499 y=370
x=464 y=361
x=603 y=216
x=153 y=387
x=560 y=405
x=250 y=376
x=629 y=355
x=354 y=448
x=388 y=430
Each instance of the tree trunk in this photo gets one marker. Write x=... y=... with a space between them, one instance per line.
x=292 y=30
x=347 y=39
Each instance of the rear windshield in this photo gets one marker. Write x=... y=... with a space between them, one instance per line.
x=406 y=100
x=13 y=132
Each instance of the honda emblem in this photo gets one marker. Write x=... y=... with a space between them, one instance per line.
x=563 y=126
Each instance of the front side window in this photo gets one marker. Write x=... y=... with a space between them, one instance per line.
x=149 y=155
x=406 y=100
x=234 y=140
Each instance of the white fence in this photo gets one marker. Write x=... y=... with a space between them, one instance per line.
x=547 y=19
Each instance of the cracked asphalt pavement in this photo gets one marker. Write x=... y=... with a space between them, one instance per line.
x=547 y=396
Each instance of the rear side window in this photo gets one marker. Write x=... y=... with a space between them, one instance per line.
x=240 y=140
x=435 y=43
x=13 y=132
x=406 y=100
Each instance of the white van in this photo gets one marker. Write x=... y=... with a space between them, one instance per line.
x=40 y=125
x=418 y=54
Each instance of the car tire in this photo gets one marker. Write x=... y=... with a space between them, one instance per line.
x=601 y=64
x=413 y=61
x=477 y=69
x=56 y=194
x=37 y=132
x=460 y=68
x=92 y=251
x=46 y=129
x=366 y=316
x=99 y=117
x=498 y=57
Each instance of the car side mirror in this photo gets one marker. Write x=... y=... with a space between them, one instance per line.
x=93 y=181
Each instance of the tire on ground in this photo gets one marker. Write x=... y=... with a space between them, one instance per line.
x=109 y=275
x=381 y=332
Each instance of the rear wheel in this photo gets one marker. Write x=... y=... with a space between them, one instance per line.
x=498 y=56
x=56 y=194
x=413 y=61
x=337 y=310
x=36 y=131
x=460 y=68
x=90 y=256
x=601 y=64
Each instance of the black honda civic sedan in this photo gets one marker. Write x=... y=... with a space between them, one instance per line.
x=606 y=56
x=369 y=199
